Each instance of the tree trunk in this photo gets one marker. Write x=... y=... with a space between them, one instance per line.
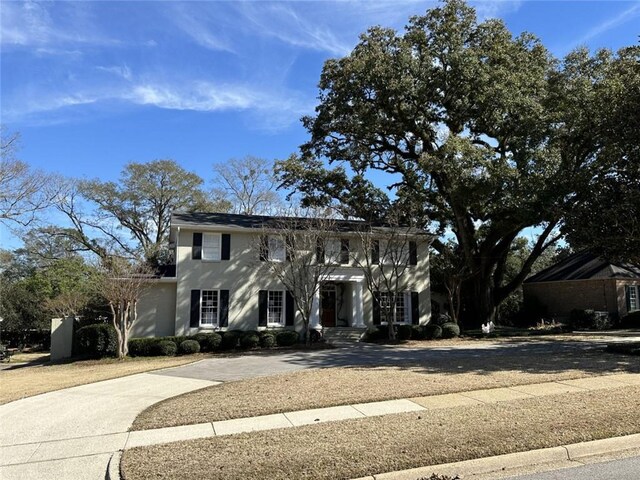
x=478 y=302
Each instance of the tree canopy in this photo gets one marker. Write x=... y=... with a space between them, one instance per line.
x=478 y=134
x=140 y=204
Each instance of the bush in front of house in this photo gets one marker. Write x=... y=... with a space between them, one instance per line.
x=250 y=340
x=189 y=347
x=98 y=340
x=209 y=342
x=166 y=348
x=589 y=320
x=143 y=347
x=418 y=332
x=450 y=330
x=631 y=320
x=267 y=339
x=403 y=332
x=231 y=339
x=287 y=338
x=432 y=331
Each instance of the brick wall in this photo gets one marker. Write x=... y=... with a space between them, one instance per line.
x=563 y=296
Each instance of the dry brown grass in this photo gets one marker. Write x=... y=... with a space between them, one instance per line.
x=339 y=386
x=355 y=448
x=23 y=382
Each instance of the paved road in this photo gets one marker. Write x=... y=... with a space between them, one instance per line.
x=626 y=469
x=262 y=364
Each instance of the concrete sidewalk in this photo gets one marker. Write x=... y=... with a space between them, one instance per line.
x=97 y=446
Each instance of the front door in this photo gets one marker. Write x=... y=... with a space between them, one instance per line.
x=328 y=305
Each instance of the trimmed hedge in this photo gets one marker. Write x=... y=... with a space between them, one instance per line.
x=250 y=340
x=166 y=348
x=143 y=347
x=231 y=339
x=589 y=320
x=287 y=338
x=432 y=331
x=403 y=332
x=98 y=340
x=209 y=342
x=268 y=340
x=418 y=332
x=189 y=347
x=631 y=320
x=450 y=330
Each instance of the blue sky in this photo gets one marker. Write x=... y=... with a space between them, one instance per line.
x=94 y=85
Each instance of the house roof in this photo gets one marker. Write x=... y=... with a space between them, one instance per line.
x=584 y=266
x=236 y=221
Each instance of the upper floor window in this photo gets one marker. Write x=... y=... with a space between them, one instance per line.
x=277 y=249
x=211 y=246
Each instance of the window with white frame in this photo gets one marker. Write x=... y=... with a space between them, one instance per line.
x=633 y=297
x=209 y=308
x=275 y=307
x=394 y=252
x=277 y=249
x=332 y=249
x=402 y=305
x=211 y=246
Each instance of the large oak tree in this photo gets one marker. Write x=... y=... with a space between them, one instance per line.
x=477 y=133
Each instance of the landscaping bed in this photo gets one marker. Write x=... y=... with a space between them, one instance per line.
x=355 y=448
x=339 y=386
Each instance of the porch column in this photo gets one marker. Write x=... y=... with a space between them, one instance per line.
x=358 y=311
x=314 y=319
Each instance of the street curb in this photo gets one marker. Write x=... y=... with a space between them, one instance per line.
x=113 y=468
x=509 y=461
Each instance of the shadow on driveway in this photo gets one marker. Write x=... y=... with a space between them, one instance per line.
x=527 y=357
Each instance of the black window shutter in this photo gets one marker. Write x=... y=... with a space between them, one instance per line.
x=627 y=295
x=195 y=309
x=375 y=252
x=319 y=250
x=196 y=251
x=415 y=308
x=344 y=251
x=376 y=308
x=290 y=310
x=413 y=253
x=263 y=299
x=264 y=248
x=225 y=253
x=224 y=308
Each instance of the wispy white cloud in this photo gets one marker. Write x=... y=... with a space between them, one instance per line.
x=202 y=25
x=626 y=15
x=122 y=71
x=30 y=24
x=275 y=109
x=281 y=21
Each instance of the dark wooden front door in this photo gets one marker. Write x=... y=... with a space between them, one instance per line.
x=328 y=306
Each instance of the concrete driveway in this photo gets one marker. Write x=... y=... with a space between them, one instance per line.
x=72 y=433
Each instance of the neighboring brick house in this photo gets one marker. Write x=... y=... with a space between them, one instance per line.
x=217 y=284
x=585 y=281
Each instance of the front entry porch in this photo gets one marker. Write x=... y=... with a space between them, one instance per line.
x=339 y=303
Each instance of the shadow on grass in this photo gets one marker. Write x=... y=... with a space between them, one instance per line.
x=538 y=356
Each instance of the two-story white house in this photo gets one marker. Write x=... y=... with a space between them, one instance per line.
x=217 y=282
